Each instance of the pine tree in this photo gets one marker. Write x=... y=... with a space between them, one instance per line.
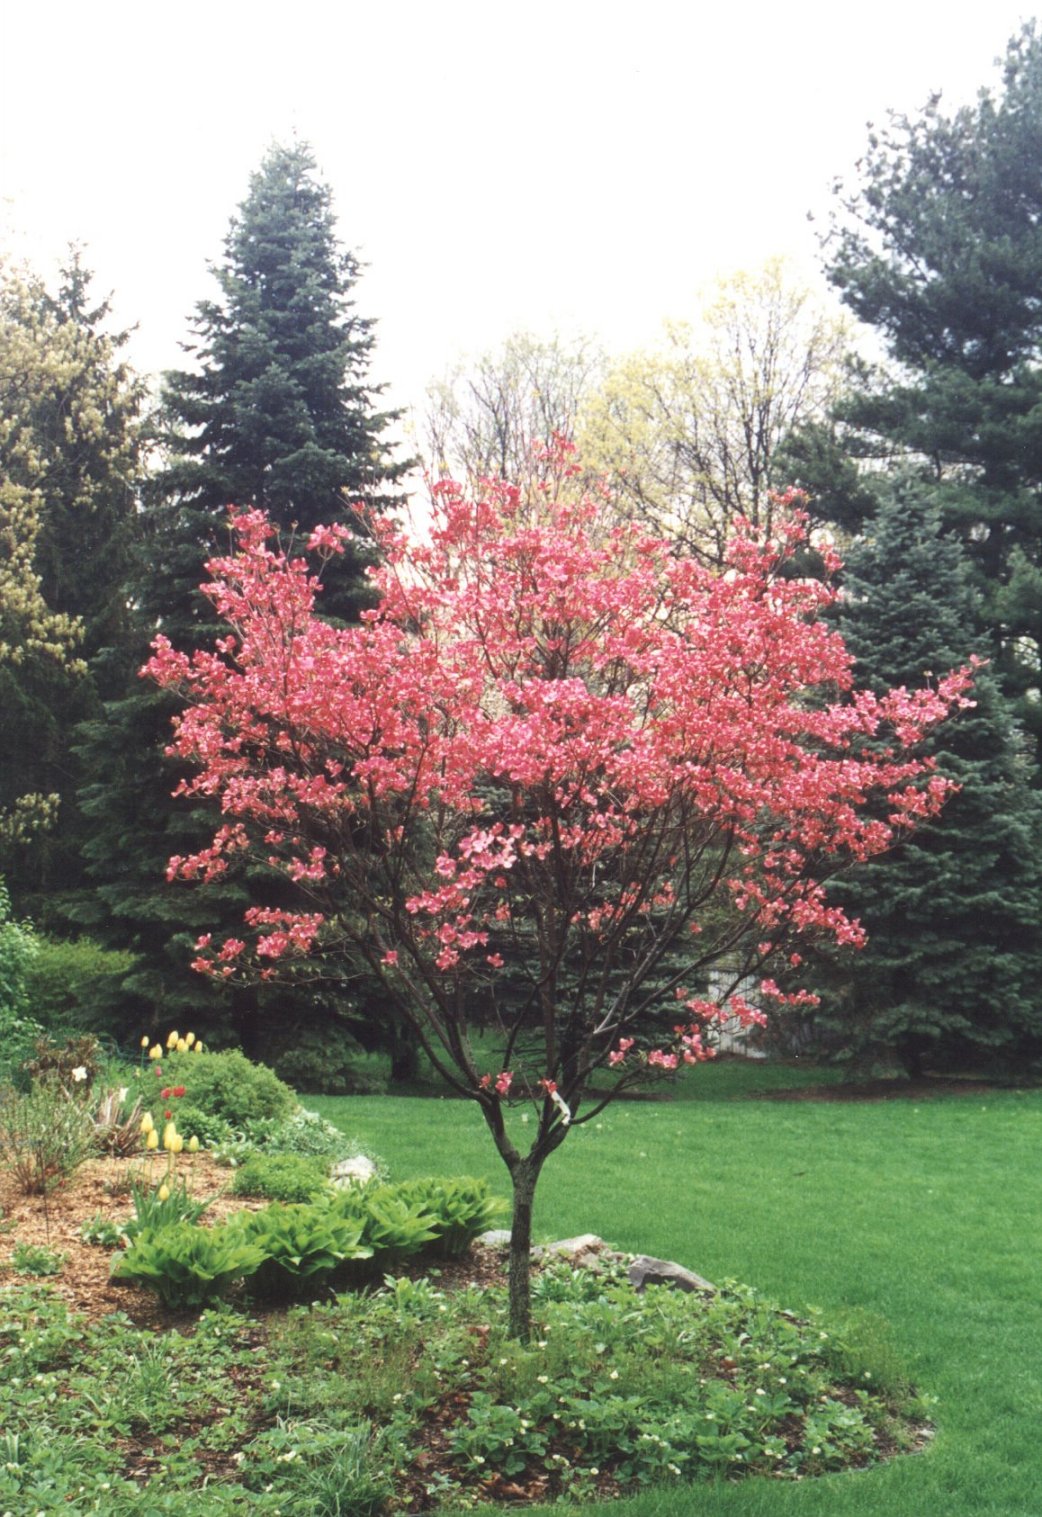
x=939 y=248
x=278 y=412
x=950 y=970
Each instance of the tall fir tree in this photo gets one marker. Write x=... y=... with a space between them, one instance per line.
x=950 y=971
x=69 y=453
x=278 y=411
x=938 y=247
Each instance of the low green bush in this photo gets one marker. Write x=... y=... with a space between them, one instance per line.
x=78 y=985
x=461 y=1210
x=186 y=1265
x=303 y=1247
x=225 y=1086
x=302 y=1132
x=393 y=1226
x=281 y=1177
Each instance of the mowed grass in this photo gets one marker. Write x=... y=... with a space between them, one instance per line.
x=924 y=1216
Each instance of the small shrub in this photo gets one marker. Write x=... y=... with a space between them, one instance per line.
x=79 y=985
x=302 y=1132
x=44 y=1137
x=33 y=1259
x=281 y=1177
x=302 y=1247
x=222 y=1085
x=187 y=1266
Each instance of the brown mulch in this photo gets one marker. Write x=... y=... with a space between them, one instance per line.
x=54 y=1222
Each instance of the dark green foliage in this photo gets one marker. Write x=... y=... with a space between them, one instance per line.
x=303 y=1247
x=320 y=1058
x=83 y=426
x=277 y=412
x=281 y=1177
x=939 y=248
x=75 y=984
x=951 y=970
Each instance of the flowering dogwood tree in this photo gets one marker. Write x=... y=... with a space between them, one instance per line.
x=554 y=778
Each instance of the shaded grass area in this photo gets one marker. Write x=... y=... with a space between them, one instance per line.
x=924 y=1215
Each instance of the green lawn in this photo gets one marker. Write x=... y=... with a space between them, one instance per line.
x=926 y=1214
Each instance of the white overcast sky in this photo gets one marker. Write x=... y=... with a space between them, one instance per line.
x=573 y=166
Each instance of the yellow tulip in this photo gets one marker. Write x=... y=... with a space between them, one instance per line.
x=182 y=1046
x=198 y=1048
x=171 y=1041
x=155 y=1052
x=189 y=1038
x=193 y=1145
x=163 y=1192
x=144 y=1041
x=147 y=1125
x=169 y=1136
x=177 y=1144
x=152 y=1141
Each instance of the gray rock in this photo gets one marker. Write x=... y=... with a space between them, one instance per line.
x=644 y=1270
x=496 y=1237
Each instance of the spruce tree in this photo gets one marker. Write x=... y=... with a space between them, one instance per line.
x=949 y=974
x=278 y=412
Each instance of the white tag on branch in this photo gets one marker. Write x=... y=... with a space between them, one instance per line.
x=562 y=1106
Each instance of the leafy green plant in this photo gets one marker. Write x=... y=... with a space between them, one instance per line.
x=78 y=984
x=323 y=1471
x=461 y=1209
x=34 y=1259
x=302 y=1247
x=44 y=1137
x=154 y=1210
x=19 y=947
x=301 y=1132
x=101 y=1231
x=394 y=1227
x=187 y=1266
x=281 y=1177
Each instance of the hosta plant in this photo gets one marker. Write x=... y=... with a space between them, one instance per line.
x=187 y=1266
x=302 y=1246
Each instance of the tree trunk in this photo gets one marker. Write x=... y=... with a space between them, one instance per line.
x=405 y=1054
x=524 y=1175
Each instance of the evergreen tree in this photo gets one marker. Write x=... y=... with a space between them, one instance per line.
x=69 y=460
x=278 y=412
x=951 y=966
x=939 y=248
